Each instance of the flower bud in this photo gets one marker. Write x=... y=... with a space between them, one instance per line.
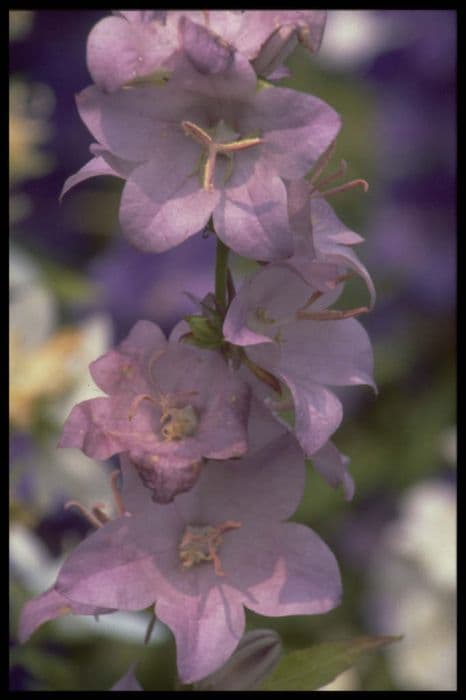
x=256 y=656
x=275 y=50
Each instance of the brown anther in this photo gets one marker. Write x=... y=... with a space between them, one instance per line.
x=331 y=314
x=342 y=188
x=200 y=543
x=91 y=517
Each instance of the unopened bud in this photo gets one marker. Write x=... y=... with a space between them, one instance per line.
x=276 y=49
x=256 y=656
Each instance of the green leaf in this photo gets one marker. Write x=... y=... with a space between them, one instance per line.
x=315 y=666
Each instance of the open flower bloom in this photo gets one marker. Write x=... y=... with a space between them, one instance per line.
x=132 y=44
x=221 y=546
x=202 y=145
x=161 y=410
x=286 y=328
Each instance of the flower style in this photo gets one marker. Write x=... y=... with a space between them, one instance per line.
x=161 y=409
x=215 y=549
x=205 y=145
x=287 y=329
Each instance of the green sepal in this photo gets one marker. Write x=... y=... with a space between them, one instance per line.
x=205 y=332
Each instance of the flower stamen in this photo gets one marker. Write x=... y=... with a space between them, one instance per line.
x=200 y=543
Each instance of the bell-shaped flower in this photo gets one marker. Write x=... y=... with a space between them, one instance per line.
x=286 y=328
x=217 y=548
x=161 y=410
x=206 y=144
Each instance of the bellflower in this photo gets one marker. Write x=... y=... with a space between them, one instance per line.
x=215 y=549
x=133 y=44
x=161 y=410
x=206 y=145
x=286 y=328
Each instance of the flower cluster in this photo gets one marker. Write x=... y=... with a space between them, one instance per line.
x=213 y=424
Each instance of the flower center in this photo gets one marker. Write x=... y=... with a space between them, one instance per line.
x=215 y=144
x=178 y=423
x=201 y=542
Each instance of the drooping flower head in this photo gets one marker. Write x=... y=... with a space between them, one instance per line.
x=286 y=328
x=161 y=410
x=219 y=547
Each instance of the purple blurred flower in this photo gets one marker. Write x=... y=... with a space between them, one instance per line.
x=133 y=285
x=214 y=549
x=287 y=329
x=161 y=410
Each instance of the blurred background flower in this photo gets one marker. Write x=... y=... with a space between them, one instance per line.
x=76 y=287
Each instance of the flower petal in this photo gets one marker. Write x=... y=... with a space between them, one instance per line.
x=252 y=216
x=333 y=466
x=292 y=572
x=337 y=352
x=49 y=606
x=103 y=427
x=332 y=238
x=162 y=203
x=318 y=412
x=209 y=53
x=274 y=468
x=134 y=124
x=119 y=50
x=297 y=128
x=119 y=564
x=115 y=369
x=93 y=168
x=207 y=629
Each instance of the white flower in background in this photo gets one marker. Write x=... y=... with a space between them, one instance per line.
x=48 y=375
x=354 y=37
x=413 y=579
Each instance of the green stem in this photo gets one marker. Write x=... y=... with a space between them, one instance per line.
x=221 y=268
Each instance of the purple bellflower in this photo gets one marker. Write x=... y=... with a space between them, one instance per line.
x=161 y=410
x=131 y=45
x=219 y=547
x=286 y=328
x=202 y=145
